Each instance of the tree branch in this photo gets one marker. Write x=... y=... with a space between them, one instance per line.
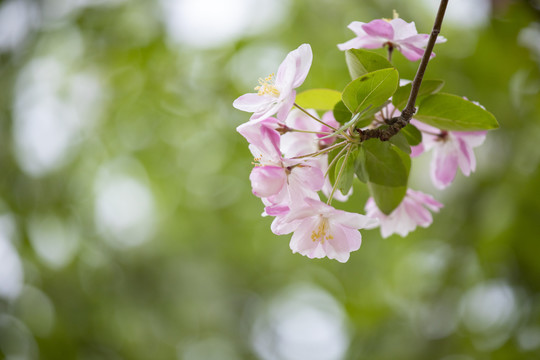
x=384 y=134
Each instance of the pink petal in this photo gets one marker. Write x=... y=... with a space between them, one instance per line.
x=251 y=130
x=418 y=213
x=353 y=220
x=342 y=243
x=303 y=64
x=310 y=177
x=356 y=27
x=267 y=180
x=286 y=105
x=294 y=69
x=411 y=52
x=417 y=150
x=425 y=199
x=419 y=41
x=282 y=225
x=301 y=241
x=253 y=102
x=275 y=210
x=270 y=139
x=443 y=166
x=379 y=28
x=466 y=159
x=473 y=138
x=355 y=43
x=403 y=29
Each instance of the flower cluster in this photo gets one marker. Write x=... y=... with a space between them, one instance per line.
x=395 y=33
x=300 y=156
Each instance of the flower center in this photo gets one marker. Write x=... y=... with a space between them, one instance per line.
x=443 y=136
x=267 y=86
x=321 y=232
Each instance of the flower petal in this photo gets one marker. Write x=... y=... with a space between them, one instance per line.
x=253 y=102
x=443 y=165
x=353 y=220
x=356 y=27
x=251 y=130
x=267 y=180
x=403 y=29
x=302 y=243
x=341 y=244
x=379 y=28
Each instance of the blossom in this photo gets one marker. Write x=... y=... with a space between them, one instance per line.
x=396 y=33
x=301 y=143
x=450 y=150
x=277 y=179
x=413 y=211
x=275 y=95
x=321 y=230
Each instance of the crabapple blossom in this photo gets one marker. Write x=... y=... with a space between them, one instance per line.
x=321 y=230
x=278 y=179
x=301 y=143
x=450 y=150
x=275 y=95
x=413 y=211
x=396 y=33
x=292 y=147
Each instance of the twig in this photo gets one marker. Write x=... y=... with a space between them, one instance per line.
x=410 y=109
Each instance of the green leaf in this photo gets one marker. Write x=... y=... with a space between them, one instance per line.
x=387 y=198
x=318 y=99
x=400 y=141
x=361 y=62
x=359 y=166
x=400 y=97
x=370 y=90
x=385 y=164
x=346 y=166
x=341 y=113
x=355 y=119
x=412 y=134
x=452 y=112
x=331 y=170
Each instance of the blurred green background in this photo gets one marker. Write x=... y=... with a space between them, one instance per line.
x=127 y=225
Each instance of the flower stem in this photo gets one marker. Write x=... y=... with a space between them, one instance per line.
x=410 y=109
x=313 y=117
x=320 y=152
x=390 y=50
x=334 y=160
x=310 y=132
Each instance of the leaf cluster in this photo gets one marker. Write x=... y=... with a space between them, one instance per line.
x=382 y=165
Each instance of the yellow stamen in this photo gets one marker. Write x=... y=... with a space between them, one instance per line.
x=320 y=234
x=267 y=86
x=257 y=161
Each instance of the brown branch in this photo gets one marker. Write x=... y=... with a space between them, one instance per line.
x=400 y=122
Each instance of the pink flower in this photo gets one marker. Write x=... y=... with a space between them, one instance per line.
x=277 y=179
x=320 y=230
x=396 y=33
x=328 y=118
x=298 y=143
x=276 y=95
x=412 y=211
x=295 y=143
x=450 y=150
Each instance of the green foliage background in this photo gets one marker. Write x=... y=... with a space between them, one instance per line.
x=202 y=276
